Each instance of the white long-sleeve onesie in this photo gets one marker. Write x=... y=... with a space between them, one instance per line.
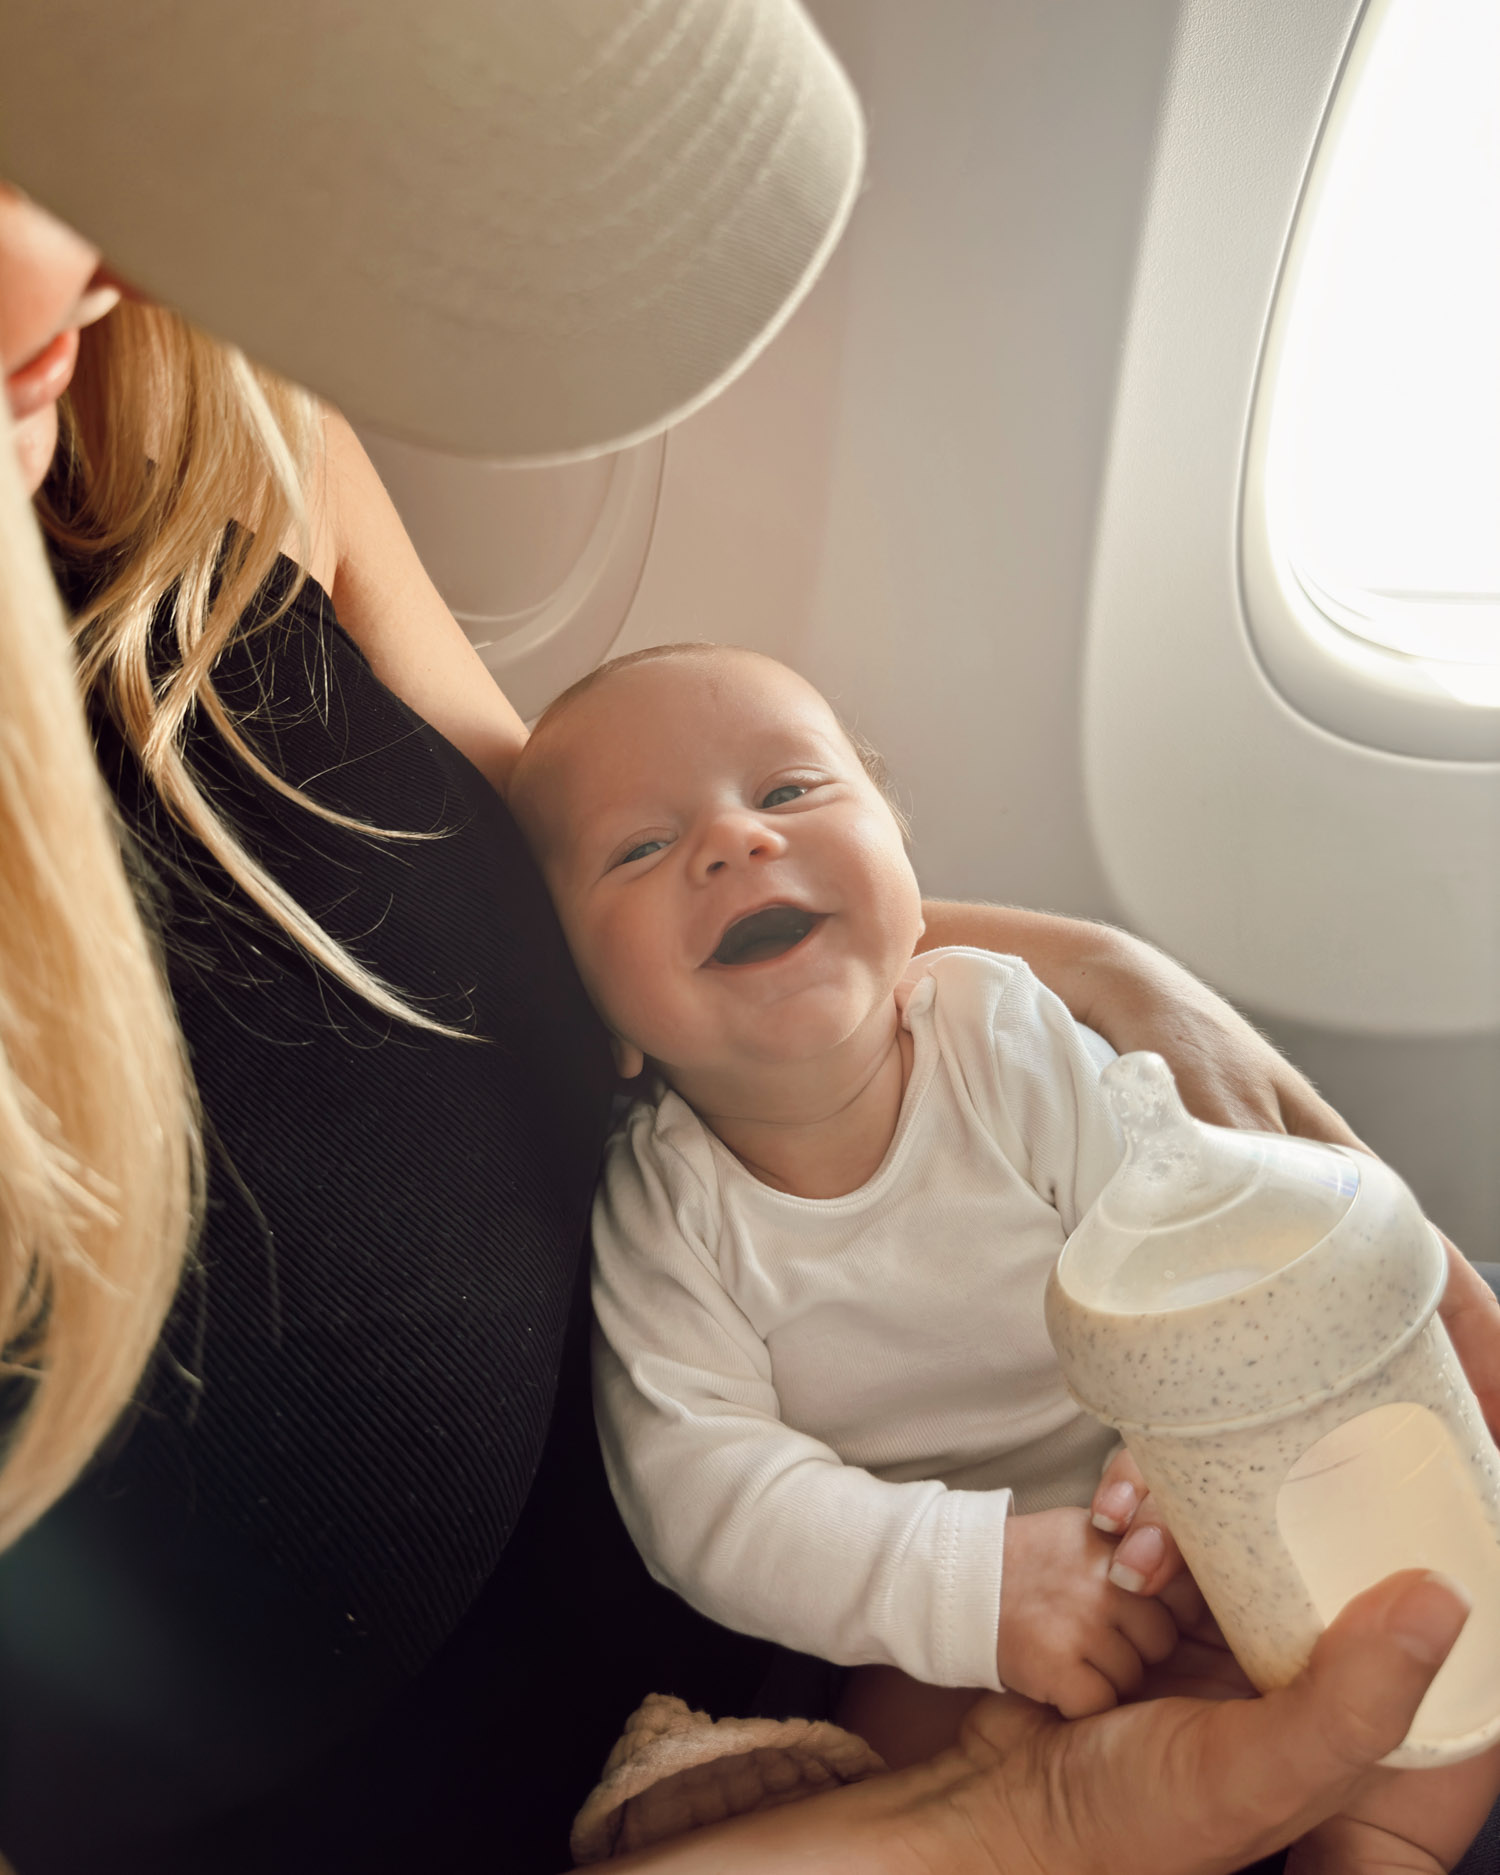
x=815 y=1411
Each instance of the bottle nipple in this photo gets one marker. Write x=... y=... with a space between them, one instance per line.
x=1161 y=1137
x=1173 y=1168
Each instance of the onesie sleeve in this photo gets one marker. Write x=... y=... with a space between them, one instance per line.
x=759 y=1526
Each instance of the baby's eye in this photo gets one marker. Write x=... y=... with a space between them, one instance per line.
x=789 y=791
x=643 y=851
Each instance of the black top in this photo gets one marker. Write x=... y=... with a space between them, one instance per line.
x=292 y=1620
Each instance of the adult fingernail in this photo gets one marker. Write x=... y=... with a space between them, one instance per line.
x=1115 y=1507
x=1137 y=1556
x=1428 y=1618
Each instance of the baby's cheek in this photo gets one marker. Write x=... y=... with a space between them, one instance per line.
x=631 y=991
x=597 y=958
x=607 y=994
x=898 y=901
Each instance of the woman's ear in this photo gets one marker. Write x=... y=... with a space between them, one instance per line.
x=629 y=1061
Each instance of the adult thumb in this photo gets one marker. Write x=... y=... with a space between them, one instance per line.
x=1296 y=1754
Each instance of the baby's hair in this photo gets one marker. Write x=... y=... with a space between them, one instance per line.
x=870 y=758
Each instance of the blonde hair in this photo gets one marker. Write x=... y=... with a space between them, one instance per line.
x=167 y=438
x=97 y=1138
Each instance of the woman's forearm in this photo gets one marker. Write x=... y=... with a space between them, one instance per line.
x=908 y=1823
x=1136 y=996
x=1074 y=957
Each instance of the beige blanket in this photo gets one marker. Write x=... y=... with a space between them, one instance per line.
x=674 y=1770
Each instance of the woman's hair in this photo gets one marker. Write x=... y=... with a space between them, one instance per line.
x=180 y=473
x=167 y=438
x=98 y=1162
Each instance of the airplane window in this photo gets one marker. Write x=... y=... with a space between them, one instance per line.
x=1379 y=447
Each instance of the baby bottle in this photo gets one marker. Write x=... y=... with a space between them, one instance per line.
x=1255 y=1314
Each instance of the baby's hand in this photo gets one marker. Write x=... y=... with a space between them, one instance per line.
x=1146 y=1559
x=1068 y=1635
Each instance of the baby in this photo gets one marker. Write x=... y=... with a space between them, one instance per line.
x=829 y=1408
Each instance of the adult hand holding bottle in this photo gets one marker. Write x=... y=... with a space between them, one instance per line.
x=1177 y=1785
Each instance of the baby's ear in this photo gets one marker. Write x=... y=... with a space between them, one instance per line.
x=629 y=1061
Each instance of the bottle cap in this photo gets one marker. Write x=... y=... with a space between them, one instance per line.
x=1225 y=1275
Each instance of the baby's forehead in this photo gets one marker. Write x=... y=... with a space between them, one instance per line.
x=697 y=693
x=691 y=705
x=747 y=687
x=707 y=669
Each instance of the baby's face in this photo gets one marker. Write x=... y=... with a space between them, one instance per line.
x=734 y=887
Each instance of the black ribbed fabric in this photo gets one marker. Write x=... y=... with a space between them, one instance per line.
x=358 y=1379
x=392 y=1213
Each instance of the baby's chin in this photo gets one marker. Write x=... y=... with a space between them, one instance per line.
x=789 y=1038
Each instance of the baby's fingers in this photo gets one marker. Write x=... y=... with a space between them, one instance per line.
x=1147 y=1628
x=1113 y=1655
x=1085 y=1688
x=1121 y=1491
x=1183 y=1600
x=1147 y=1558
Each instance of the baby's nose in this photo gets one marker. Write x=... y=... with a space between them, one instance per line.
x=738 y=838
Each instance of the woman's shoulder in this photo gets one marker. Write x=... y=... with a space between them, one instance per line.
x=362 y=555
x=316 y=551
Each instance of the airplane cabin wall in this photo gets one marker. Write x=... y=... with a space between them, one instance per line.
x=900 y=497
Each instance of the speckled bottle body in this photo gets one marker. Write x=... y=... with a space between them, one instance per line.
x=1218 y=1400
x=1218 y=1489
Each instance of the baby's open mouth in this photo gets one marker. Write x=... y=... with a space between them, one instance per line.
x=765 y=933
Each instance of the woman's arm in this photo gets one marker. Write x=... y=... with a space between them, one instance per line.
x=1137 y=997
x=394 y=613
x=1169 y=1787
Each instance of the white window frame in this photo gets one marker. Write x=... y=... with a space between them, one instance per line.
x=1386 y=699
x=1304 y=871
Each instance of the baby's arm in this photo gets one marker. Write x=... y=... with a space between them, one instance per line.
x=766 y=1529
x=756 y=1524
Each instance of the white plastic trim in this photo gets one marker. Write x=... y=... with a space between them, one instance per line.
x=1305 y=873
x=538 y=648
x=536 y=656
